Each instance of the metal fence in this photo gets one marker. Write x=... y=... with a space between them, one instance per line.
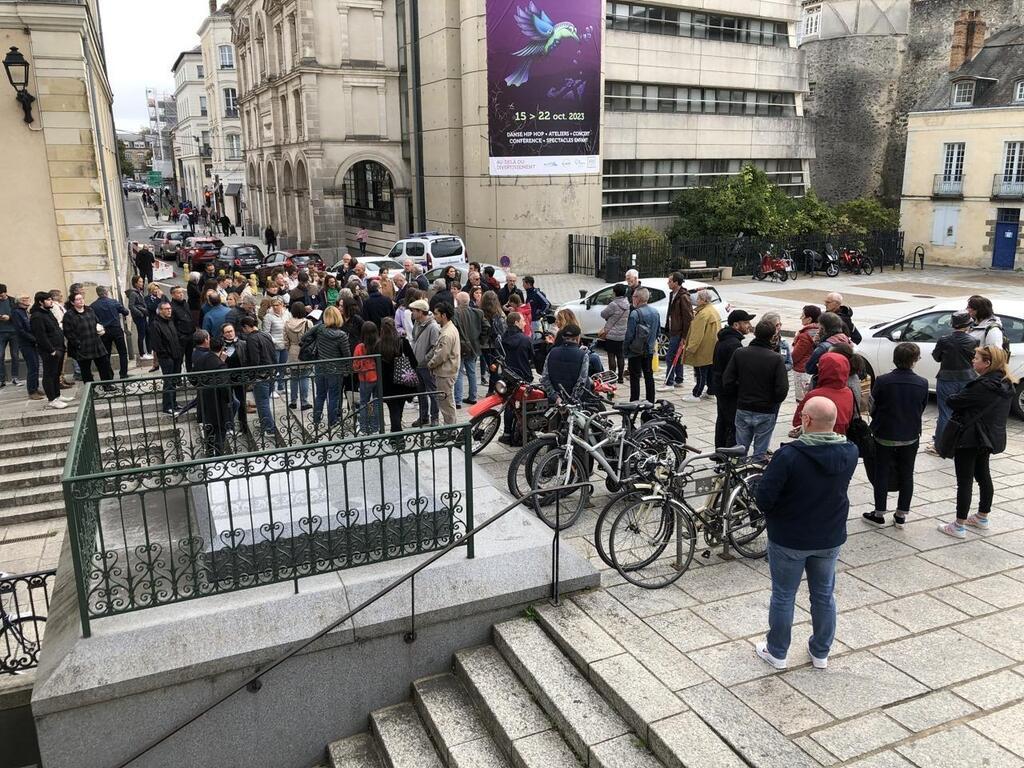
x=24 y=606
x=599 y=257
x=212 y=498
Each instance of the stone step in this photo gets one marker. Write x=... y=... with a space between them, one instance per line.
x=12 y=482
x=35 y=413
x=34 y=460
x=587 y=722
x=454 y=725
x=356 y=751
x=402 y=738
x=28 y=513
x=38 y=495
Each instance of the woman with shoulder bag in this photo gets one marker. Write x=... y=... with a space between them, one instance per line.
x=616 y=318
x=397 y=372
x=295 y=327
x=975 y=431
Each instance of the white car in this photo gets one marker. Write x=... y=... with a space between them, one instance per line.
x=925 y=326
x=430 y=249
x=373 y=264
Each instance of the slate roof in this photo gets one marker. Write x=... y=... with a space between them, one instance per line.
x=995 y=69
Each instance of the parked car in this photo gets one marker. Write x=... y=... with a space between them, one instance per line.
x=245 y=258
x=293 y=257
x=199 y=251
x=430 y=249
x=463 y=270
x=165 y=242
x=588 y=309
x=373 y=264
x=925 y=326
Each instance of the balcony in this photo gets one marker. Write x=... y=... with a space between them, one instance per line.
x=947 y=186
x=1008 y=187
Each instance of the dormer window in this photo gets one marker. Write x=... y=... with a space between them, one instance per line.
x=1018 y=91
x=963 y=93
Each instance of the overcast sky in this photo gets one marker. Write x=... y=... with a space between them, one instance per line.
x=142 y=39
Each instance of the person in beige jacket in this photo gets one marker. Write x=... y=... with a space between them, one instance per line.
x=700 y=344
x=443 y=360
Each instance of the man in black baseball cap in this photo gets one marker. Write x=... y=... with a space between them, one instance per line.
x=730 y=339
x=567 y=365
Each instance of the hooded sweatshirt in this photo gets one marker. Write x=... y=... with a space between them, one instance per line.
x=803 y=492
x=833 y=372
x=811 y=366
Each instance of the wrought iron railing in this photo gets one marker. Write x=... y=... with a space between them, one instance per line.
x=945 y=185
x=1008 y=186
x=24 y=606
x=211 y=499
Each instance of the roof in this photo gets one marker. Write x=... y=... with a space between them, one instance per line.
x=996 y=69
x=197 y=50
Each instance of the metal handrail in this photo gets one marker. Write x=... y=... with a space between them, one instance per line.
x=253 y=682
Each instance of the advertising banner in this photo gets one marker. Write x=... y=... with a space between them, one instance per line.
x=544 y=86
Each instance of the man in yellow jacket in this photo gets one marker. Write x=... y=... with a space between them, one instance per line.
x=443 y=360
x=700 y=344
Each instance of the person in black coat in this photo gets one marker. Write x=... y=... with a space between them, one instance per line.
x=270 y=238
x=391 y=346
x=899 y=401
x=756 y=375
x=168 y=351
x=140 y=315
x=216 y=403
x=83 y=340
x=518 y=353
x=730 y=339
x=181 y=315
x=27 y=346
x=982 y=407
x=144 y=264
x=377 y=306
x=50 y=344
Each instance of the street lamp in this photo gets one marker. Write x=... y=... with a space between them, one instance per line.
x=17 y=73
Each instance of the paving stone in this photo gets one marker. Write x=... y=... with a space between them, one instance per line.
x=993 y=690
x=1003 y=630
x=663 y=659
x=482 y=753
x=651 y=602
x=747 y=732
x=716 y=582
x=853 y=684
x=864 y=627
x=501 y=698
x=743 y=615
x=962 y=601
x=637 y=695
x=885 y=759
x=1005 y=727
x=974 y=558
x=872 y=547
x=815 y=751
x=354 y=752
x=1012 y=541
x=624 y=752
x=685 y=630
x=781 y=705
x=999 y=590
x=853 y=738
x=919 y=613
x=905 y=576
x=921 y=534
x=576 y=633
x=942 y=657
x=731 y=663
x=930 y=710
x=685 y=741
x=850 y=593
x=403 y=739
x=544 y=750
x=959 y=746
x=447 y=711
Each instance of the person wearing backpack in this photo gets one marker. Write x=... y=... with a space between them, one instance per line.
x=537 y=301
x=980 y=411
x=988 y=329
x=640 y=342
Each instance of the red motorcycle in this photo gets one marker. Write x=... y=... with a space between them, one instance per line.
x=853 y=260
x=774 y=266
x=525 y=400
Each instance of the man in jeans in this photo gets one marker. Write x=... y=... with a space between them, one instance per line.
x=425 y=334
x=8 y=337
x=259 y=350
x=470 y=322
x=640 y=350
x=677 y=325
x=803 y=496
x=756 y=376
x=954 y=353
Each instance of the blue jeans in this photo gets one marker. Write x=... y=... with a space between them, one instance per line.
x=261 y=394
x=169 y=367
x=11 y=341
x=675 y=375
x=755 y=429
x=467 y=366
x=427 y=402
x=368 y=407
x=943 y=391
x=282 y=358
x=32 y=367
x=787 y=566
x=702 y=375
x=326 y=388
x=300 y=389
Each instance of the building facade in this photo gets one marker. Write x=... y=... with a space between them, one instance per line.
x=223 y=113
x=963 y=187
x=163 y=116
x=61 y=170
x=193 y=153
x=136 y=150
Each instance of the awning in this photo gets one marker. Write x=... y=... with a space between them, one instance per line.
x=233 y=190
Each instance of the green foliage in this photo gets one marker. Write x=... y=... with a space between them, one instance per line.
x=624 y=241
x=127 y=166
x=749 y=203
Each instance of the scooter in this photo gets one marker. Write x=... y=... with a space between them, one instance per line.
x=776 y=267
x=827 y=262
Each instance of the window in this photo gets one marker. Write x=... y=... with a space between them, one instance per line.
x=924 y=328
x=279 y=49
x=811 y=21
x=234 y=146
x=1013 y=162
x=1018 y=91
x=230 y=102
x=368 y=191
x=656 y=20
x=284 y=117
x=202 y=106
x=293 y=37
x=953 y=161
x=641 y=97
x=200 y=73
x=963 y=93
x=297 y=108
x=226 y=54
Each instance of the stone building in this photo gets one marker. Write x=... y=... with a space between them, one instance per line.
x=163 y=115
x=963 y=187
x=193 y=155
x=869 y=65
x=223 y=115
x=136 y=150
x=60 y=171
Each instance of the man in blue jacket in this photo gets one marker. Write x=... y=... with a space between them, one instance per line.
x=109 y=312
x=803 y=496
x=642 y=329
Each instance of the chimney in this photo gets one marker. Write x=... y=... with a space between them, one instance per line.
x=968 y=39
x=213 y=7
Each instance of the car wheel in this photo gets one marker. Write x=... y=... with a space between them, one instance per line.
x=1018 y=402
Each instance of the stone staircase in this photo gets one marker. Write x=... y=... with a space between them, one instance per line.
x=555 y=689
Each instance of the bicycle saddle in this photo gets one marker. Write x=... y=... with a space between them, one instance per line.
x=735 y=452
x=639 y=405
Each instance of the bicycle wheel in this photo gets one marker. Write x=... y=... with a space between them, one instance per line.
x=606 y=517
x=652 y=542
x=759 y=273
x=520 y=469
x=558 y=507
x=783 y=275
x=746 y=525
x=20 y=640
x=484 y=428
x=867 y=266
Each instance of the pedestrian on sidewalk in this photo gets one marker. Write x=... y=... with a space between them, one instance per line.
x=954 y=353
x=58 y=309
x=50 y=343
x=699 y=344
x=988 y=329
x=361 y=237
x=140 y=316
x=443 y=361
x=270 y=238
x=365 y=368
x=295 y=327
x=470 y=324
x=169 y=355
x=274 y=323
x=632 y=283
x=398 y=372
x=833 y=376
x=8 y=337
x=81 y=332
x=756 y=376
x=424 y=339
x=803 y=495
x=980 y=409
x=259 y=352
x=27 y=345
x=899 y=400
x=217 y=404
x=616 y=320
x=183 y=324
x=678 y=318
x=640 y=343
x=332 y=343
x=830 y=332
x=730 y=339
x=834 y=303
x=537 y=301
x=109 y=312
x=803 y=346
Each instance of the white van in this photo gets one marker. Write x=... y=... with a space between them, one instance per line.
x=430 y=250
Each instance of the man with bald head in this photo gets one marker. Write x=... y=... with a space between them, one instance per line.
x=834 y=303
x=803 y=495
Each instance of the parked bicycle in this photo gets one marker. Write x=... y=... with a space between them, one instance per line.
x=854 y=260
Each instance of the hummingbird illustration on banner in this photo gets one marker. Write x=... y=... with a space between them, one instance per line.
x=543 y=34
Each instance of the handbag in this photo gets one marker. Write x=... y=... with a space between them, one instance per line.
x=950 y=437
x=403 y=375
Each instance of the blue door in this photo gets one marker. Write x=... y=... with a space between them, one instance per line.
x=1005 y=245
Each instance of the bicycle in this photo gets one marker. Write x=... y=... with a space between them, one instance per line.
x=19 y=633
x=662 y=515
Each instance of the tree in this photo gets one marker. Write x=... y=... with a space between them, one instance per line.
x=867 y=214
x=127 y=166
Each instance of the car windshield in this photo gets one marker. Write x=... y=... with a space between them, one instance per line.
x=244 y=251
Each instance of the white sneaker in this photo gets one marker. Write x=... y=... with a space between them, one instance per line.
x=58 y=403
x=667 y=388
x=67 y=398
x=819 y=663
x=691 y=399
x=274 y=394
x=145 y=357
x=761 y=649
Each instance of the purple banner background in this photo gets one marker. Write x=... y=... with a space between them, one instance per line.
x=556 y=110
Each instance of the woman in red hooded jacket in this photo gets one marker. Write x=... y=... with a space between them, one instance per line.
x=833 y=372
